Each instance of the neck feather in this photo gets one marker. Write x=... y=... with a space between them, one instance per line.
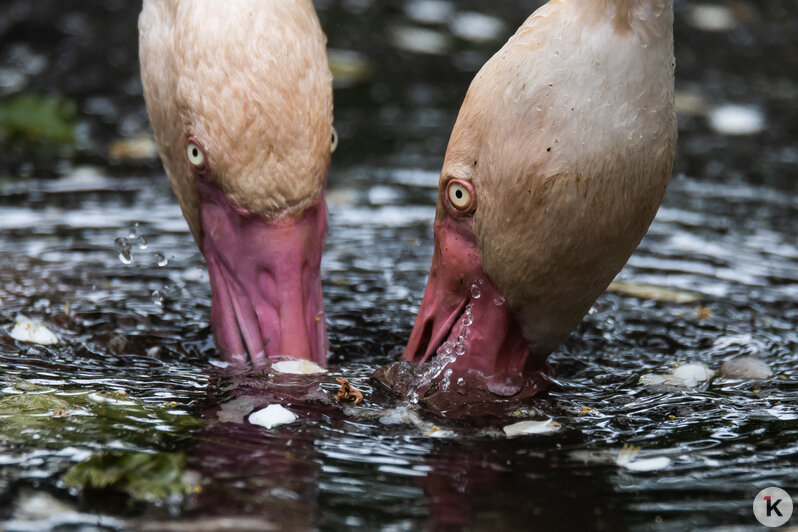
x=627 y=15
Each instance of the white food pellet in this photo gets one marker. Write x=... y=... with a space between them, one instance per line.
x=272 y=416
x=32 y=332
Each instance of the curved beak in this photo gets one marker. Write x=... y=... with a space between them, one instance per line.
x=465 y=318
x=266 y=280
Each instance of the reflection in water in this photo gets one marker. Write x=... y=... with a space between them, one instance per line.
x=468 y=488
x=252 y=471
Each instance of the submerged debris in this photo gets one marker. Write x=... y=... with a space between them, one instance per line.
x=703 y=313
x=298 y=367
x=347 y=394
x=272 y=416
x=746 y=368
x=403 y=415
x=685 y=376
x=525 y=428
x=34 y=332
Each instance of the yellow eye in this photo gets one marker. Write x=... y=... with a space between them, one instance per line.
x=334 y=145
x=460 y=195
x=195 y=155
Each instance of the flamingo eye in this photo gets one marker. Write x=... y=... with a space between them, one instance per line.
x=334 y=144
x=461 y=195
x=196 y=156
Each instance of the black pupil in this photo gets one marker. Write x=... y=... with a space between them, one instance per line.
x=195 y=152
x=459 y=194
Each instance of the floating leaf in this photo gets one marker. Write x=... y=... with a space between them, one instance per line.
x=525 y=428
x=653 y=292
x=298 y=367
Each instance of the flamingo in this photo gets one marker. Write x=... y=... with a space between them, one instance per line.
x=556 y=167
x=239 y=96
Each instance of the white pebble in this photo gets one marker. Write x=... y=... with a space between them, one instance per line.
x=32 y=332
x=419 y=40
x=711 y=17
x=690 y=375
x=684 y=376
x=272 y=416
x=382 y=195
x=746 y=368
x=525 y=428
x=736 y=120
x=647 y=464
x=429 y=11
x=477 y=27
x=650 y=379
x=627 y=458
x=298 y=367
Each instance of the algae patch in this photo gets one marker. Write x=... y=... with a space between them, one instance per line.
x=55 y=418
x=31 y=119
x=144 y=477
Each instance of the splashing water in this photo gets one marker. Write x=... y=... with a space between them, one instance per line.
x=157 y=298
x=122 y=247
x=476 y=292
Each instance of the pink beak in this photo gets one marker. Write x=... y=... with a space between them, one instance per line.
x=465 y=317
x=266 y=281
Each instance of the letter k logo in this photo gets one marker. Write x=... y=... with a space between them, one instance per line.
x=773 y=506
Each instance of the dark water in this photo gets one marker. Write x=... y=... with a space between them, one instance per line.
x=726 y=233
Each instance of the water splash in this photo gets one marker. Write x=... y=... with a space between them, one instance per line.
x=468 y=318
x=157 y=298
x=122 y=247
x=476 y=293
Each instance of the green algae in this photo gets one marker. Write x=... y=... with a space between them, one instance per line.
x=141 y=476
